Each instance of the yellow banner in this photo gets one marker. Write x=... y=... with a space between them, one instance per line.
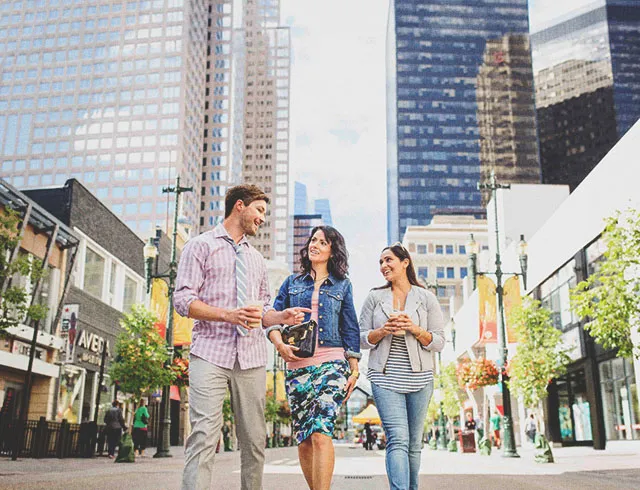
x=159 y=304
x=512 y=299
x=281 y=395
x=487 y=306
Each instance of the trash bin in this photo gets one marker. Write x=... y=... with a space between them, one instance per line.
x=467 y=441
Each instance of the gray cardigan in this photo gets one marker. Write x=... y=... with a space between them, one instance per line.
x=424 y=310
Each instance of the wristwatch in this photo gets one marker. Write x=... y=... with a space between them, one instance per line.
x=355 y=373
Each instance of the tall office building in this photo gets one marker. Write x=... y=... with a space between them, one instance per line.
x=216 y=139
x=300 y=198
x=506 y=113
x=302 y=226
x=323 y=208
x=587 y=77
x=109 y=92
x=262 y=59
x=435 y=53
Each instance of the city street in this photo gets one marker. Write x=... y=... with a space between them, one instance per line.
x=575 y=468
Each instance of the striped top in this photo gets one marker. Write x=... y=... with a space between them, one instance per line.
x=397 y=375
x=207 y=271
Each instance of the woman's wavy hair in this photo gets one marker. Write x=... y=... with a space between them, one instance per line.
x=338 y=265
x=402 y=253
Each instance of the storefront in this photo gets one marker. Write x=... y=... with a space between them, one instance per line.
x=619 y=393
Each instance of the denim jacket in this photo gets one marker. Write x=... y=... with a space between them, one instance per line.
x=337 y=321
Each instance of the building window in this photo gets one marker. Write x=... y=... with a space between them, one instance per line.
x=422 y=249
x=462 y=249
x=449 y=249
x=130 y=294
x=439 y=250
x=618 y=391
x=450 y=273
x=463 y=272
x=554 y=293
x=440 y=272
x=423 y=272
x=93 y=273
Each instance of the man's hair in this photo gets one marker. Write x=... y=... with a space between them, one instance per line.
x=247 y=193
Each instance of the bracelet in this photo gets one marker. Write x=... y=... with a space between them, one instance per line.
x=355 y=373
x=419 y=335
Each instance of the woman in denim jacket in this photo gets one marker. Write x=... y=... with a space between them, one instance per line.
x=401 y=322
x=319 y=385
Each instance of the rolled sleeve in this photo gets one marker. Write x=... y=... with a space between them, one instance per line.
x=366 y=322
x=190 y=277
x=435 y=325
x=349 y=325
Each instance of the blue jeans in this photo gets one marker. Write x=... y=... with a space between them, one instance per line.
x=402 y=416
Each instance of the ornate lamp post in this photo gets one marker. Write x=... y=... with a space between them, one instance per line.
x=508 y=437
x=150 y=252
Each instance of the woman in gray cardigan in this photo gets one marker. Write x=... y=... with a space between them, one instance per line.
x=402 y=324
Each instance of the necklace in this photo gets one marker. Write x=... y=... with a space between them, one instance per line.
x=320 y=279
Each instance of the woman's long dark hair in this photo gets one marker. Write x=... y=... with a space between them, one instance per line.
x=402 y=253
x=338 y=265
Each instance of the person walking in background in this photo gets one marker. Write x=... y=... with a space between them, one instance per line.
x=496 y=425
x=403 y=325
x=317 y=386
x=368 y=437
x=470 y=424
x=140 y=423
x=114 y=420
x=222 y=284
x=531 y=428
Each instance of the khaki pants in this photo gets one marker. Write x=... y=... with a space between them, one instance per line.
x=207 y=388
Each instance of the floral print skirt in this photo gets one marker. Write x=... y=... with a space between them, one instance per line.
x=315 y=396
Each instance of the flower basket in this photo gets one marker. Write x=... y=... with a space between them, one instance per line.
x=180 y=367
x=477 y=373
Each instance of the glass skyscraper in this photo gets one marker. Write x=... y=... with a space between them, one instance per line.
x=587 y=73
x=109 y=92
x=443 y=134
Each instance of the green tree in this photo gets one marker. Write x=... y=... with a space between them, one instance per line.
x=610 y=297
x=15 y=304
x=540 y=355
x=141 y=354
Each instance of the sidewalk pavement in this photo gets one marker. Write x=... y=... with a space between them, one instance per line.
x=578 y=468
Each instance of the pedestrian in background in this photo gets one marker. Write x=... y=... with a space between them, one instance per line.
x=496 y=425
x=403 y=325
x=140 y=424
x=221 y=281
x=368 y=437
x=531 y=428
x=114 y=420
x=317 y=386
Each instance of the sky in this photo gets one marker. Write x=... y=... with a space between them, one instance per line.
x=337 y=104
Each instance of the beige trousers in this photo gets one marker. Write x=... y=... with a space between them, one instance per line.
x=207 y=388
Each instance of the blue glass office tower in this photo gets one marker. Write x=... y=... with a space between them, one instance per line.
x=323 y=207
x=438 y=53
x=587 y=77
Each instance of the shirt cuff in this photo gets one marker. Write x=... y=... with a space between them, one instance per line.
x=349 y=354
x=270 y=329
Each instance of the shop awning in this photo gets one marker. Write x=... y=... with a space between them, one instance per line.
x=369 y=414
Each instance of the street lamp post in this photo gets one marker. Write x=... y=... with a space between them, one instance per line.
x=150 y=254
x=442 y=440
x=509 y=437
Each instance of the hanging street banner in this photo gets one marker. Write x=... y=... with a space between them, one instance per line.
x=159 y=304
x=488 y=310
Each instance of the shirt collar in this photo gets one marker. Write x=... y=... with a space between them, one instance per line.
x=309 y=278
x=221 y=232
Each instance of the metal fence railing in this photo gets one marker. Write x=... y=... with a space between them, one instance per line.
x=46 y=439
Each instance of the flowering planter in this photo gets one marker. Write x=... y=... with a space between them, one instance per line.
x=477 y=373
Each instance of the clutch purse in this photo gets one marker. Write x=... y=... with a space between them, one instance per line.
x=304 y=336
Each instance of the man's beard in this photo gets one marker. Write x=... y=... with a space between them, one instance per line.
x=248 y=227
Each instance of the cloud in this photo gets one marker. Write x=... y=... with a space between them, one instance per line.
x=348 y=136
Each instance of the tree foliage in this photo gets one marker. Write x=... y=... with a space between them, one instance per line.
x=15 y=304
x=610 y=297
x=451 y=396
x=540 y=355
x=141 y=355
